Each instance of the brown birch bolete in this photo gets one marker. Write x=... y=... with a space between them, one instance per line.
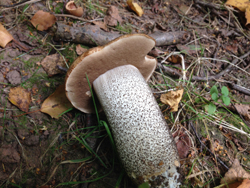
x=118 y=72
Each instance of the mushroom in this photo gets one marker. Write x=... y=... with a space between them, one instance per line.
x=73 y=9
x=118 y=72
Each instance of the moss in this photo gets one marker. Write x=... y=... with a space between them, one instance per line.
x=124 y=28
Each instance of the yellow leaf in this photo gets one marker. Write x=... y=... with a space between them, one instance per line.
x=20 y=97
x=135 y=7
x=172 y=98
x=56 y=103
x=5 y=36
x=240 y=4
x=247 y=15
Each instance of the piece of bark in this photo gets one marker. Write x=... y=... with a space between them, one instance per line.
x=94 y=36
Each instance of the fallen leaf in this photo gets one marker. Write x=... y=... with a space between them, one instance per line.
x=245 y=184
x=5 y=36
x=235 y=173
x=183 y=143
x=112 y=16
x=244 y=110
x=184 y=8
x=242 y=5
x=172 y=98
x=232 y=185
x=174 y=59
x=50 y=64
x=20 y=97
x=56 y=103
x=80 y=50
x=43 y=20
x=135 y=7
x=101 y=24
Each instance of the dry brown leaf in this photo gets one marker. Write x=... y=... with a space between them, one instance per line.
x=135 y=7
x=56 y=103
x=50 y=64
x=232 y=185
x=5 y=36
x=245 y=184
x=172 y=98
x=20 y=97
x=183 y=143
x=235 y=173
x=244 y=110
x=101 y=24
x=242 y=5
x=80 y=50
x=43 y=20
x=112 y=16
x=175 y=59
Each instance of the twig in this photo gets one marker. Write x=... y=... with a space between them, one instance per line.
x=77 y=18
x=240 y=88
x=14 y=4
x=207 y=5
x=19 y=4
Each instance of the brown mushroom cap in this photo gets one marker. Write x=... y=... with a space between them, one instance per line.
x=73 y=9
x=128 y=49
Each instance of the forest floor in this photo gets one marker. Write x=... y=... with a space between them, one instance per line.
x=210 y=131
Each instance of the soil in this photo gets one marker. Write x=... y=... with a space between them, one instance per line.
x=37 y=150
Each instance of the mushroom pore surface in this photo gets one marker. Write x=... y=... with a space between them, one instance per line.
x=143 y=140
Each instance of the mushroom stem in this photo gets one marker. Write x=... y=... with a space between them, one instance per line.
x=143 y=140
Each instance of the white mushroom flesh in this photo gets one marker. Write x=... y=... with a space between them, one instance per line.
x=143 y=140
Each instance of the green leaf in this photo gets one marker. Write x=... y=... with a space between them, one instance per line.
x=226 y=100
x=144 y=185
x=210 y=108
x=197 y=100
x=214 y=90
x=224 y=91
x=215 y=96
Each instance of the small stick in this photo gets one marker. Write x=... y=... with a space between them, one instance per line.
x=77 y=18
x=25 y=2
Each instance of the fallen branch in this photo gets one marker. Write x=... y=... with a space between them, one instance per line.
x=94 y=36
x=240 y=88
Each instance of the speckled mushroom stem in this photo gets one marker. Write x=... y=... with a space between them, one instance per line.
x=143 y=140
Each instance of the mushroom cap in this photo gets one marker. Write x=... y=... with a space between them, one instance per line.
x=127 y=49
x=73 y=9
